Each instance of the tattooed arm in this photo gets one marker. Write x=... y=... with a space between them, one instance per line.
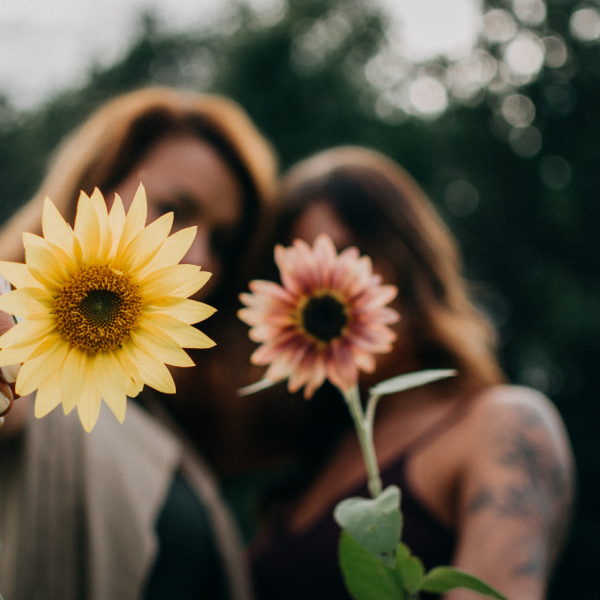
x=515 y=493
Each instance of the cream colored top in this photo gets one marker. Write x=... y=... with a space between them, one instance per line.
x=77 y=510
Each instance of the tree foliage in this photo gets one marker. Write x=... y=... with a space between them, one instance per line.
x=529 y=238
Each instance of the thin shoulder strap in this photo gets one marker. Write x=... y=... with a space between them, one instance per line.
x=450 y=418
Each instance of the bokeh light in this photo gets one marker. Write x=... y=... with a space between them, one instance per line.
x=473 y=73
x=428 y=96
x=499 y=26
x=530 y=12
x=461 y=198
x=555 y=172
x=585 y=24
x=518 y=110
x=556 y=51
x=525 y=142
x=317 y=40
x=524 y=55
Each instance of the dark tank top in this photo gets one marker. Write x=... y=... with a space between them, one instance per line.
x=304 y=566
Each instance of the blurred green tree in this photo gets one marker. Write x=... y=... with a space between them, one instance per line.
x=518 y=185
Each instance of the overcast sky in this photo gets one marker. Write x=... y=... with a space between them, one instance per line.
x=48 y=45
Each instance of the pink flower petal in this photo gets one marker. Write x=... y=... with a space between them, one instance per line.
x=274 y=313
x=325 y=256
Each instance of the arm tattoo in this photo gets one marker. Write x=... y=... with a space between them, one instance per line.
x=538 y=490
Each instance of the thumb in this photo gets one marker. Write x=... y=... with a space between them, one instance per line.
x=6 y=322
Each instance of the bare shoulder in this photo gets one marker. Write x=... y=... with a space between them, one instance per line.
x=521 y=418
x=515 y=430
x=518 y=477
x=521 y=407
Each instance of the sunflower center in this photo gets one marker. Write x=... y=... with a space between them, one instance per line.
x=324 y=317
x=97 y=309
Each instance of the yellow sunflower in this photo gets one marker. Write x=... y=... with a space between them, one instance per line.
x=104 y=306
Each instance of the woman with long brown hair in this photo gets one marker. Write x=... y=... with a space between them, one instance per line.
x=133 y=511
x=484 y=468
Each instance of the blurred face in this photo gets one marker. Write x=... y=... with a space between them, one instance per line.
x=321 y=217
x=184 y=175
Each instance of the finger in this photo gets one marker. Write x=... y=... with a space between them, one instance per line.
x=6 y=399
x=10 y=373
x=6 y=321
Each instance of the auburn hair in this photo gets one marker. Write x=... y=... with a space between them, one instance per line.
x=390 y=217
x=106 y=147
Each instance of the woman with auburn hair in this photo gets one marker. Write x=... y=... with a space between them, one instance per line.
x=485 y=469
x=133 y=511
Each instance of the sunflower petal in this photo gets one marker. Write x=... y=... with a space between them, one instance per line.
x=25 y=302
x=145 y=245
x=46 y=345
x=185 y=335
x=172 y=251
x=10 y=356
x=78 y=373
x=97 y=200
x=35 y=372
x=133 y=378
x=64 y=258
x=87 y=230
x=133 y=388
x=47 y=398
x=153 y=373
x=111 y=383
x=45 y=267
x=88 y=407
x=116 y=219
x=57 y=230
x=18 y=274
x=170 y=279
x=28 y=332
x=155 y=342
x=135 y=220
x=192 y=286
x=188 y=311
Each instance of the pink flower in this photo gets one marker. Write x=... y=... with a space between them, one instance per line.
x=325 y=322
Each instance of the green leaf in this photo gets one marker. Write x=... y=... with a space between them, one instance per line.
x=409 y=568
x=365 y=576
x=410 y=380
x=374 y=523
x=443 y=579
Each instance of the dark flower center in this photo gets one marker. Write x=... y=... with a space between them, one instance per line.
x=324 y=317
x=98 y=309
x=100 y=306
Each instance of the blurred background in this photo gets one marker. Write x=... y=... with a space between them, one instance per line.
x=492 y=106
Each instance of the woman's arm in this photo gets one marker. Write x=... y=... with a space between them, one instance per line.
x=515 y=494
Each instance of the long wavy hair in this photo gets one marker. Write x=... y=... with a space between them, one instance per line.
x=102 y=151
x=390 y=217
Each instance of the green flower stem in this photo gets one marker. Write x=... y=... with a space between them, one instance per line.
x=371 y=406
x=364 y=430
